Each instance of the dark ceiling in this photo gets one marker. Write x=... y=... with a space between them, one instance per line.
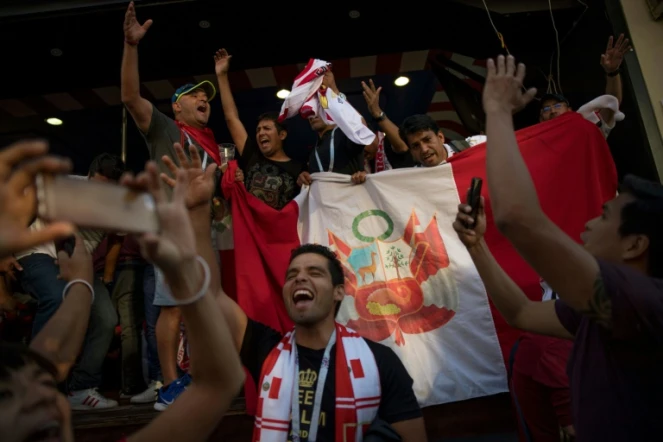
x=89 y=36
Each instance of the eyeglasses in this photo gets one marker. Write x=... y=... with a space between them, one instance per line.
x=556 y=106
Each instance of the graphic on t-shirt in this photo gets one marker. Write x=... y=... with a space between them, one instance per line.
x=270 y=184
x=385 y=277
x=307 y=385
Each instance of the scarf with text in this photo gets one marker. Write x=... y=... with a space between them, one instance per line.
x=357 y=388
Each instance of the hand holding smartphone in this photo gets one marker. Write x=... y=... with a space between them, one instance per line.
x=95 y=205
x=474 y=199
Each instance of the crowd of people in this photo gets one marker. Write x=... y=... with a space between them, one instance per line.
x=600 y=311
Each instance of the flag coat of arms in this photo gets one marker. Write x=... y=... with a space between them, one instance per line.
x=410 y=283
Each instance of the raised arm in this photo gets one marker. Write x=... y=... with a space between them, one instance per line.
x=565 y=265
x=235 y=126
x=516 y=308
x=61 y=338
x=219 y=373
x=201 y=190
x=611 y=61
x=372 y=97
x=19 y=165
x=139 y=108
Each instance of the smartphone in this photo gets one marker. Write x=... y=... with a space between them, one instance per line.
x=95 y=205
x=474 y=199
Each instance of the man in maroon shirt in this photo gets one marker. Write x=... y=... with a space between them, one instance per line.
x=610 y=291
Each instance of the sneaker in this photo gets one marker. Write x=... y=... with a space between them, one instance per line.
x=167 y=395
x=149 y=395
x=89 y=399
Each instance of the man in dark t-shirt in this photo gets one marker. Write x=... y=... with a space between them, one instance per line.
x=273 y=182
x=610 y=288
x=398 y=401
x=312 y=293
x=269 y=173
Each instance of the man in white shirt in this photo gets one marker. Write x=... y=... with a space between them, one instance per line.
x=39 y=278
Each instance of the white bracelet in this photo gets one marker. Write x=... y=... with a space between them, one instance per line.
x=203 y=290
x=78 y=281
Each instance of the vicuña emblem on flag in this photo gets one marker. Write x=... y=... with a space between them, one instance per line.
x=387 y=278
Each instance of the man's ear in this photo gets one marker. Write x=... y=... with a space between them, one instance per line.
x=176 y=107
x=339 y=292
x=636 y=246
x=283 y=135
x=440 y=136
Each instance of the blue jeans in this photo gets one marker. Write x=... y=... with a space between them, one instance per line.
x=151 y=316
x=39 y=279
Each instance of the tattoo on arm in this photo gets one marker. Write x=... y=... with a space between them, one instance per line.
x=600 y=305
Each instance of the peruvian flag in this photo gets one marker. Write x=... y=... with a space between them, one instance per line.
x=410 y=283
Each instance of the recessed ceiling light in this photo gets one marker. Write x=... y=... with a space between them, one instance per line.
x=204 y=24
x=56 y=52
x=283 y=94
x=401 y=81
x=354 y=14
x=54 y=121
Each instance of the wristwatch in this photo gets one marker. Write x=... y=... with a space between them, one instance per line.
x=380 y=117
x=613 y=73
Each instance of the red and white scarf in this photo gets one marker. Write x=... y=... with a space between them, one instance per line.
x=204 y=138
x=380 y=161
x=357 y=388
x=308 y=96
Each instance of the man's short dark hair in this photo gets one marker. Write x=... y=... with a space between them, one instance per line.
x=273 y=116
x=644 y=216
x=415 y=124
x=14 y=357
x=107 y=165
x=557 y=98
x=333 y=263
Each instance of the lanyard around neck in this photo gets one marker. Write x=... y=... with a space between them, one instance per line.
x=331 y=154
x=319 y=389
x=192 y=144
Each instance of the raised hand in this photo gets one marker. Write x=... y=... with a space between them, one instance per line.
x=503 y=91
x=175 y=245
x=134 y=31
x=19 y=165
x=372 y=97
x=329 y=80
x=614 y=55
x=200 y=183
x=221 y=62
x=470 y=237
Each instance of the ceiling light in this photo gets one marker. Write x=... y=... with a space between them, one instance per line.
x=56 y=52
x=283 y=94
x=354 y=14
x=204 y=24
x=401 y=81
x=54 y=121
